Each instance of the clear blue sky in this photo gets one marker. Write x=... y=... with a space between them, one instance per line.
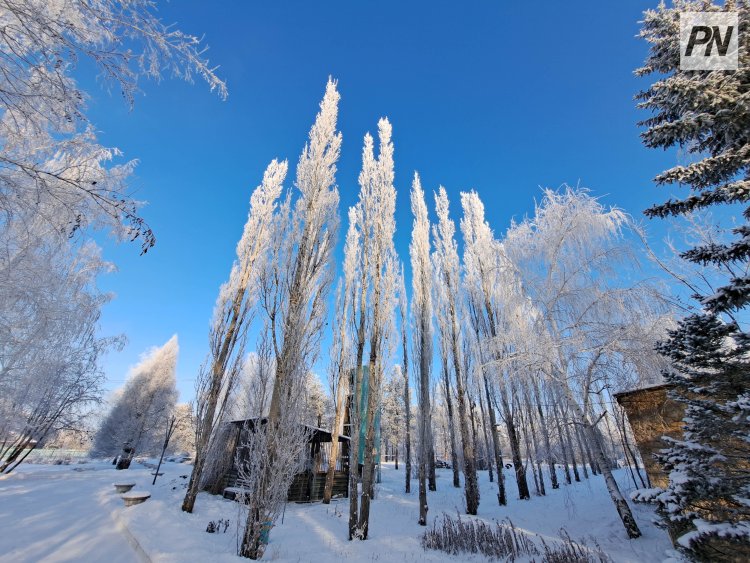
x=500 y=97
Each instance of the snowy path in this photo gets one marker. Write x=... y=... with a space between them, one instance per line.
x=54 y=513
x=61 y=515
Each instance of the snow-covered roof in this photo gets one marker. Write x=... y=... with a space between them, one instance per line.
x=314 y=429
x=652 y=387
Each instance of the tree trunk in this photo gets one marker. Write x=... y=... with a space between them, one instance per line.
x=451 y=429
x=515 y=448
x=561 y=438
x=582 y=449
x=571 y=449
x=218 y=369
x=535 y=442
x=424 y=415
x=373 y=389
x=628 y=521
x=530 y=459
x=545 y=437
x=472 y=409
x=354 y=447
x=470 y=472
x=407 y=402
x=17 y=454
x=342 y=390
x=355 y=410
x=626 y=448
x=487 y=446
x=431 y=476
x=501 y=498
x=422 y=484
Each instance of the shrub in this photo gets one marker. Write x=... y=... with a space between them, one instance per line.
x=502 y=540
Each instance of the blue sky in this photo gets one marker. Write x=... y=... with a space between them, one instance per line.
x=499 y=97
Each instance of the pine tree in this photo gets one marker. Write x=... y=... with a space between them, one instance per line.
x=706 y=114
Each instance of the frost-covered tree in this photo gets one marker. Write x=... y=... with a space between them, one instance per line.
x=421 y=312
x=578 y=321
x=269 y=452
x=377 y=274
x=445 y=376
x=49 y=342
x=392 y=417
x=403 y=307
x=293 y=293
x=183 y=438
x=354 y=261
x=56 y=180
x=49 y=147
x=234 y=310
x=294 y=288
x=339 y=370
x=704 y=113
x=491 y=296
x=316 y=408
x=450 y=320
x=136 y=422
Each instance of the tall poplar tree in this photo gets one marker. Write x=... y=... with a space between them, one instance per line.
x=446 y=265
x=421 y=311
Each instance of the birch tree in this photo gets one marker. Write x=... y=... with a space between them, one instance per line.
x=137 y=419
x=445 y=258
x=49 y=343
x=571 y=251
x=49 y=146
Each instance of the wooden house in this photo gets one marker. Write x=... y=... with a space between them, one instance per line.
x=308 y=485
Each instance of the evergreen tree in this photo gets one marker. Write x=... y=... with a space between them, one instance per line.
x=706 y=114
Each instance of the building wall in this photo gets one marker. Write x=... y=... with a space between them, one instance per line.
x=652 y=414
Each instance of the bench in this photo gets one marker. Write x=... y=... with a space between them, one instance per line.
x=135 y=497
x=236 y=492
x=123 y=487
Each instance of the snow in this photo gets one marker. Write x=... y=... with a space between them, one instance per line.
x=51 y=513
x=56 y=513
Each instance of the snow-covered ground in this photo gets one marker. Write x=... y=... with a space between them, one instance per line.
x=72 y=513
